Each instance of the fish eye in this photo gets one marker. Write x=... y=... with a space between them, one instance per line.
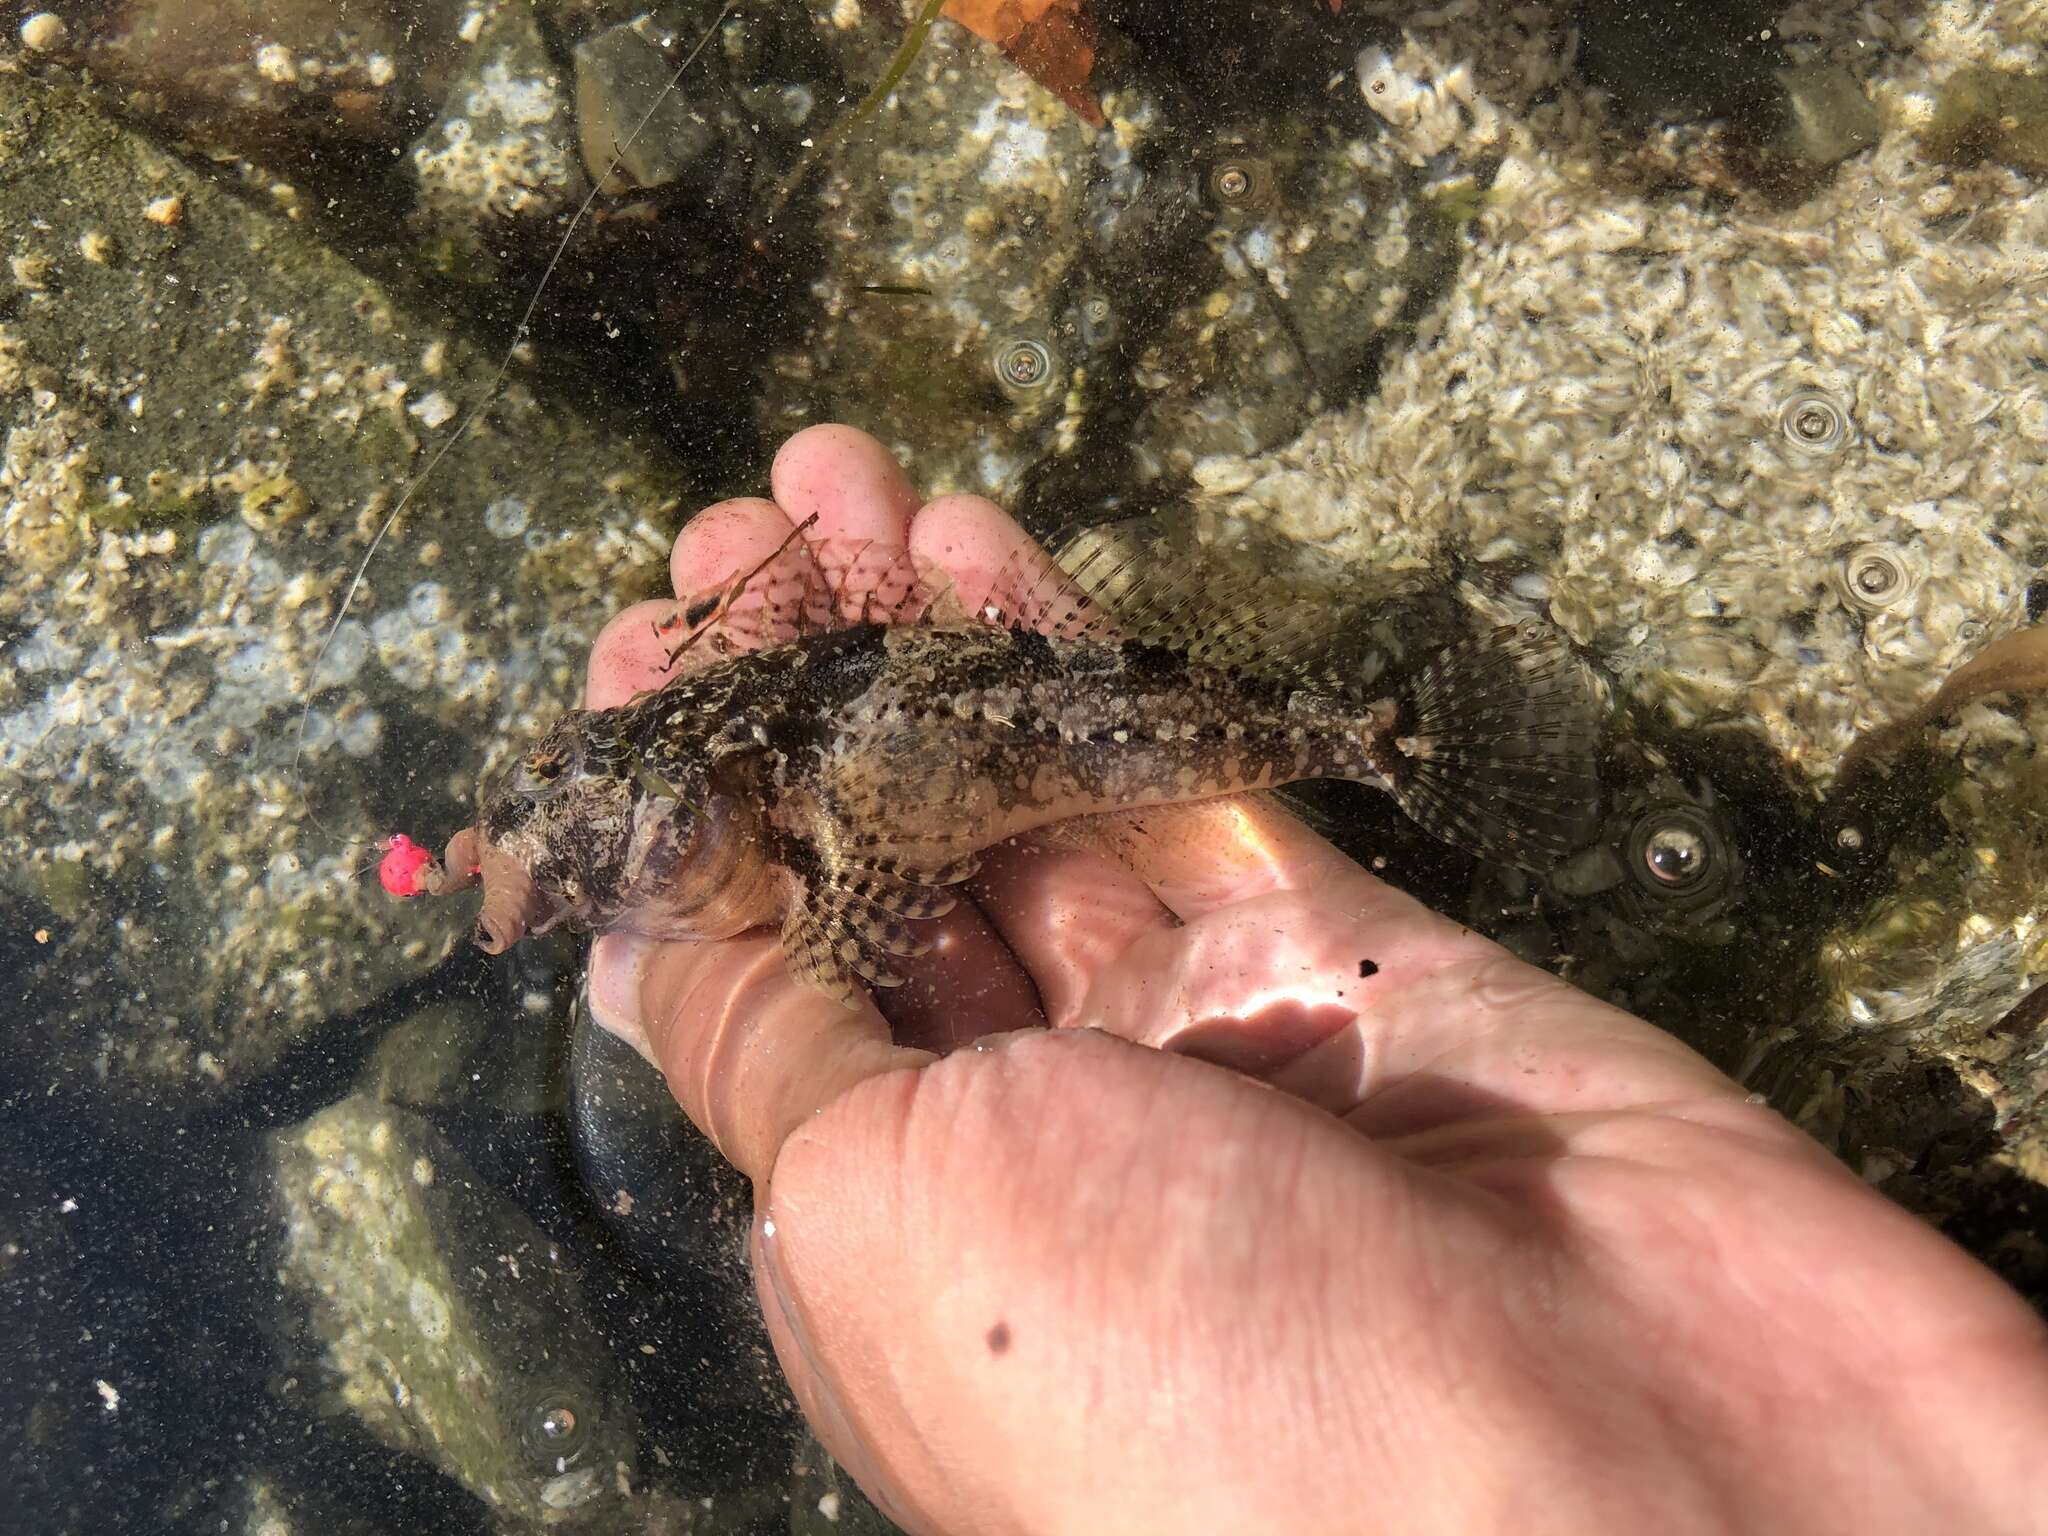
x=543 y=770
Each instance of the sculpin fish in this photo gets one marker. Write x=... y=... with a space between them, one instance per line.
x=840 y=782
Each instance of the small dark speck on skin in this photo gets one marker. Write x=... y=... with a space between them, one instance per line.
x=1368 y=968
x=999 y=1339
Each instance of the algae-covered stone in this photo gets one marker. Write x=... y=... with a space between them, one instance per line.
x=1828 y=116
x=425 y=1058
x=203 y=421
x=501 y=157
x=445 y=1321
x=1985 y=113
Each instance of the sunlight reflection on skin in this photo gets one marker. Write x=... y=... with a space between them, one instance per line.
x=1199 y=857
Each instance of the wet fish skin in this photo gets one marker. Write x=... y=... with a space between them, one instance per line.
x=839 y=785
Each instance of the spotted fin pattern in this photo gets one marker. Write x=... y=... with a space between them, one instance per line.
x=1498 y=750
x=854 y=917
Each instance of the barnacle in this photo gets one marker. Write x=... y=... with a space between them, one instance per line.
x=1023 y=364
x=1813 y=423
x=507 y=517
x=1874 y=577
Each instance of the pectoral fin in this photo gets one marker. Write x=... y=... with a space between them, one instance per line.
x=855 y=916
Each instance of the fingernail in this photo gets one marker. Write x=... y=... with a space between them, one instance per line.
x=611 y=988
x=831 y=1422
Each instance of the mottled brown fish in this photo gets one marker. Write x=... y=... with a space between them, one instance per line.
x=841 y=782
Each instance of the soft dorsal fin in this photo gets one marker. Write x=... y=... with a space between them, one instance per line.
x=1222 y=612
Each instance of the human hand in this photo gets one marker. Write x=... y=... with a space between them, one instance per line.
x=1494 y=1255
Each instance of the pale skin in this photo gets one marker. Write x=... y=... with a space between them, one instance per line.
x=1139 y=1209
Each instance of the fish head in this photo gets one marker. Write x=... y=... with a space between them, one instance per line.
x=554 y=828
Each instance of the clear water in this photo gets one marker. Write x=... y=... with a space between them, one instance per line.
x=1711 y=334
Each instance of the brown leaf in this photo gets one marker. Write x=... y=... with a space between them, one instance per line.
x=2014 y=663
x=1052 y=41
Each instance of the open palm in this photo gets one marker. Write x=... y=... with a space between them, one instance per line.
x=1494 y=1255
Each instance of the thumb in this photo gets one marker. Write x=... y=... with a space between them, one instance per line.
x=749 y=1052
x=1016 y=1290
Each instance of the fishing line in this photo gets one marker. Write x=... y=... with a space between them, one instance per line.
x=490 y=393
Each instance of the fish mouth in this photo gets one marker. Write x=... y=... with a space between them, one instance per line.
x=514 y=906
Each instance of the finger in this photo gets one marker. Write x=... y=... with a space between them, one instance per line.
x=749 y=1052
x=991 y=562
x=849 y=482
x=1066 y=914
x=631 y=655
x=967 y=985
x=637 y=649
x=724 y=541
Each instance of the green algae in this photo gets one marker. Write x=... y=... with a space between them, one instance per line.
x=65 y=886
x=1457 y=203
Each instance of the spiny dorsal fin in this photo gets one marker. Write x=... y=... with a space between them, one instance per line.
x=803 y=589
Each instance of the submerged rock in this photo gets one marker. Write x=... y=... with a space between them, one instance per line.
x=1319 y=245
x=949 y=222
x=204 y=418
x=638 y=127
x=500 y=162
x=1985 y=113
x=270 y=74
x=1774 y=499
x=1922 y=1056
x=445 y=1321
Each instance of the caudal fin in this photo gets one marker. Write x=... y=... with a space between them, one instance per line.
x=1497 y=743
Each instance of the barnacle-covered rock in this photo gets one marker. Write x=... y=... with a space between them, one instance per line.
x=180 y=514
x=1781 y=472
x=950 y=223
x=501 y=158
x=445 y=1321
